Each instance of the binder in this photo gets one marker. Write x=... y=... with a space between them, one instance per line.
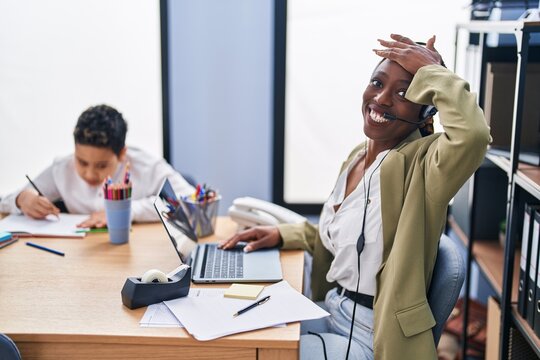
x=524 y=262
x=531 y=281
x=536 y=326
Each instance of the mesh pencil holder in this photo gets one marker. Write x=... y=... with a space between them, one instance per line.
x=202 y=215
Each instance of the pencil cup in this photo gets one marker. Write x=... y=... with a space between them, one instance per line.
x=202 y=215
x=118 y=220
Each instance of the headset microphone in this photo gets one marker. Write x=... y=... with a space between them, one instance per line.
x=393 y=117
x=426 y=112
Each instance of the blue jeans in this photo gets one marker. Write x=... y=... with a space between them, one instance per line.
x=335 y=331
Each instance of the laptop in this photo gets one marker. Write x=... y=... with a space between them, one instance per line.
x=209 y=264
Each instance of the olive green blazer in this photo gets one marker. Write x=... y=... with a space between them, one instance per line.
x=418 y=179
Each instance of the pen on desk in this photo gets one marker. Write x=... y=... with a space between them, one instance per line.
x=260 y=302
x=39 y=192
x=45 y=248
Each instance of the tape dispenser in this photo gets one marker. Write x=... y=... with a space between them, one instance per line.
x=154 y=286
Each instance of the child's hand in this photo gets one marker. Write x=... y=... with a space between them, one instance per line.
x=35 y=206
x=96 y=220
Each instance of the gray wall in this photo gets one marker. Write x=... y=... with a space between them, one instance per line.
x=221 y=75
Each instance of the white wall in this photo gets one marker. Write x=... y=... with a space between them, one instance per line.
x=329 y=62
x=57 y=58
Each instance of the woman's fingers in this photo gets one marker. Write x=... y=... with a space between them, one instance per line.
x=246 y=235
x=408 y=54
x=402 y=39
x=258 y=237
x=258 y=244
x=393 y=44
x=431 y=43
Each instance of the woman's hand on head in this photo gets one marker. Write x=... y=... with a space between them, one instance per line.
x=410 y=55
x=34 y=205
x=96 y=220
x=257 y=237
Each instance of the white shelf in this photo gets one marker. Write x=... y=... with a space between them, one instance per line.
x=501 y=27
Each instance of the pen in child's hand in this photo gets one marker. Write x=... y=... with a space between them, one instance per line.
x=40 y=193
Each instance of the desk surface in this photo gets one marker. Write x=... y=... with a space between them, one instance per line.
x=53 y=305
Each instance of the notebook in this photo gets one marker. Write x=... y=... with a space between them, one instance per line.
x=63 y=226
x=209 y=263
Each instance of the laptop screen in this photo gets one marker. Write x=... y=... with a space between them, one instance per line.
x=175 y=221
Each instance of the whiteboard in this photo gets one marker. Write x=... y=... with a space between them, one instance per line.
x=57 y=58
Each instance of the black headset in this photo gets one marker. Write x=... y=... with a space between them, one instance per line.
x=426 y=112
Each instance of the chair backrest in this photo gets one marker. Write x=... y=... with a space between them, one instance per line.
x=8 y=349
x=446 y=283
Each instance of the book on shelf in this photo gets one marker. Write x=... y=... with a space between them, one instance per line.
x=525 y=257
x=536 y=302
x=531 y=281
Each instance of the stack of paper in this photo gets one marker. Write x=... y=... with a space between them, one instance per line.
x=63 y=226
x=159 y=315
x=208 y=318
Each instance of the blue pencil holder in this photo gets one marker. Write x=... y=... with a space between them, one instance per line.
x=118 y=220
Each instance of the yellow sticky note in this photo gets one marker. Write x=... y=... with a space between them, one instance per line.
x=243 y=291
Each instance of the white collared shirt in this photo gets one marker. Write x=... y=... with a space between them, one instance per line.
x=61 y=181
x=339 y=230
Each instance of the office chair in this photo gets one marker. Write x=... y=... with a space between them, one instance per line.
x=446 y=283
x=448 y=277
x=8 y=349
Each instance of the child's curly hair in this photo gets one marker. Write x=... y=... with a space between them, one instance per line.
x=101 y=126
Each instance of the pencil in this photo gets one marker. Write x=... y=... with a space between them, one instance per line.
x=45 y=249
x=34 y=185
x=39 y=192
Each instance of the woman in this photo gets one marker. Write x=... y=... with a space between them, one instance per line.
x=378 y=233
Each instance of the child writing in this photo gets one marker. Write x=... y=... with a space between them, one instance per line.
x=100 y=152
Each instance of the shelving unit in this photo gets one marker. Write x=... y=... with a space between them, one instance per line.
x=523 y=180
x=489 y=255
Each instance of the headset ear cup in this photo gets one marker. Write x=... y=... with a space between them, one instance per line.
x=427 y=111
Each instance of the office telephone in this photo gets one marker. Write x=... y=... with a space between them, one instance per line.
x=248 y=212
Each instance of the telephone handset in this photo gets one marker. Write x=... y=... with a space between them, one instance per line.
x=248 y=212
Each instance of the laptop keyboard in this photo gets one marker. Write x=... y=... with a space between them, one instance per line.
x=223 y=264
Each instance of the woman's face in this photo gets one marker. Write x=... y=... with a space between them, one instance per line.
x=386 y=93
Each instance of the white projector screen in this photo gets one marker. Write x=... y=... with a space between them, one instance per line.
x=329 y=60
x=57 y=58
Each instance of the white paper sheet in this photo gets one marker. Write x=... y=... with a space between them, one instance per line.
x=159 y=315
x=210 y=318
x=65 y=226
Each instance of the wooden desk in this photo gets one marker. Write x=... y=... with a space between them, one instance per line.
x=70 y=307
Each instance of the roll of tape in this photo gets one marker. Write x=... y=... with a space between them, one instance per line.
x=154 y=275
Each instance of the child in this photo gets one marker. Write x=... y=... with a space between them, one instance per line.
x=77 y=179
